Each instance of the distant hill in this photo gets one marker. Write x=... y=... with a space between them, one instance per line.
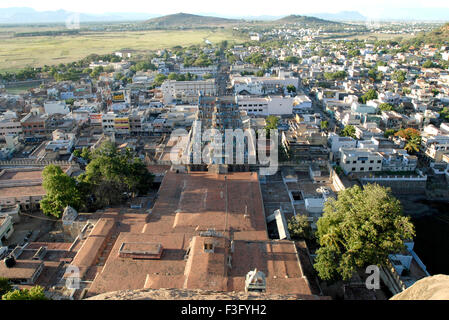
x=291 y=19
x=188 y=20
x=341 y=16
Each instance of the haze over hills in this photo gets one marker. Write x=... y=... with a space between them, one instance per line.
x=341 y=16
x=18 y=15
x=21 y=15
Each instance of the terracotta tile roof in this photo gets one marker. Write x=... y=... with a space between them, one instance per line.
x=186 y=207
x=23 y=269
x=91 y=248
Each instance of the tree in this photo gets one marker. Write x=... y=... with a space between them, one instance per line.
x=385 y=107
x=339 y=75
x=413 y=144
x=354 y=52
x=444 y=114
x=271 y=123
x=348 y=131
x=299 y=227
x=292 y=60
x=159 y=79
x=61 y=191
x=35 y=293
x=77 y=153
x=291 y=88
x=428 y=64
x=112 y=174
x=399 y=76
x=5 y=286
x=324 y=125
x=86 y=154
x=389 y=132
x=361 y=228
x=371 y=94
x=412 y=138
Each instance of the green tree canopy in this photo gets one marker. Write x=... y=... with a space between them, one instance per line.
x=61 y=191
x=271 y=123
x=371 y=94
x=324 y=125
x=348 y=131
x=292 y=59
x=399 y=76
x=5 y=286
x=111 y=173
x=34 y=293
x=361 y=228
x=386 y=107
x=159 y=79
x=299 y=227
x=338 y=75
x=291 y=88
x=444 y=114
x=412 y=138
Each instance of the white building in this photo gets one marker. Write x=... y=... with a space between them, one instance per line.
x=360 y=160
x=107 y=122
x=62 y=142
x=271 y=105
x=187 y=90
x=56 y=107
x=9 y=125
x=6 y=228
x=198 y=70
x=301 y=104
x=336 y=142
x=262 y=85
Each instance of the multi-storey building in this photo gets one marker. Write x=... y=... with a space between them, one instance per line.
x=187 y=91
x=9 y=125
x=34 y=124
x=360 y=160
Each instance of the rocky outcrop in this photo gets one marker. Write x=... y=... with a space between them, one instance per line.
x=429 y=288
x=184 y=294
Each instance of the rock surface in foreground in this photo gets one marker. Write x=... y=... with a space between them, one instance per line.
x=184 y=294
x=430 y=288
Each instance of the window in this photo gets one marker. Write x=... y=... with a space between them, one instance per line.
x=353 y=169
x=362 y=169
x=370 y=168
x=378 y=161
x=371 y=161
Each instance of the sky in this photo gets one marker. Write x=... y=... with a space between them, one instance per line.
x=369 y=8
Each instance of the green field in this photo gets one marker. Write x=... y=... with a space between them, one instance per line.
x=17 y=53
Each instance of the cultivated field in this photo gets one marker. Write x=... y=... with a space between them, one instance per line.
x=17 y=53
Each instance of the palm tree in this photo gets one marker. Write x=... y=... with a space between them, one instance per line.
x=412 y=144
